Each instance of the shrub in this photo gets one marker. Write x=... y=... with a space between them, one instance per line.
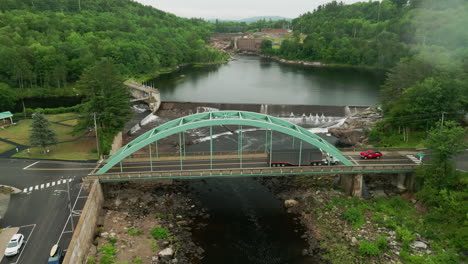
x=159 y=233
x=354 y=216
x=368 y=248
x=108 y=256
x=134 y=231
x=137 y=260
x=112 y=240
x=405 y=236
x=382 y=243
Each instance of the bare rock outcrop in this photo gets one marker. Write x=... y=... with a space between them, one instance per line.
x=354 y=130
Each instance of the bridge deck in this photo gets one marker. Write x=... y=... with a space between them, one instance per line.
x=250 y=172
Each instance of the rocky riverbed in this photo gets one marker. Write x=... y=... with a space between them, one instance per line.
x=156 y=223
x=148 y=223
x=322 y=210
x=354 y=131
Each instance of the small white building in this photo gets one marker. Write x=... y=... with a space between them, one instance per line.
x=4 y=116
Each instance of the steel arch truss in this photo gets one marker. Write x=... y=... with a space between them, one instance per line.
x=217 y=119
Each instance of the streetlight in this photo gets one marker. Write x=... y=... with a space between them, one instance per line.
x=69 y=201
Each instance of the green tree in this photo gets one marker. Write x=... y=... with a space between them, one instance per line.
x=445 y=142
x=41 y=134
x=7 y=98
x=266 y=45
x=107 y=99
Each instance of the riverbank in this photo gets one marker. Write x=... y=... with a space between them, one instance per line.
x=388 y=228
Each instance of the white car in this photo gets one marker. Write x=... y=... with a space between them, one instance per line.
x=14 y=245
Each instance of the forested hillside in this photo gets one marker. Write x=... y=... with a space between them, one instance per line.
x=45 y=43
x=367 y=33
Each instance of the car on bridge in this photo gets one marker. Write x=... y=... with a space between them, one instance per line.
x=371 y=155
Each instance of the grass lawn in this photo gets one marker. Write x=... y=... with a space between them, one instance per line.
x=5 y=147
x=71 y=122
x=75 y=150
x=20 y=132
x=81 y=149
x=61 y=117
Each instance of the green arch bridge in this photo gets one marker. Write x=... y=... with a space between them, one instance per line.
x=220 y=118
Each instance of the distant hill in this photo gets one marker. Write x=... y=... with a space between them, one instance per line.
x=253 y=19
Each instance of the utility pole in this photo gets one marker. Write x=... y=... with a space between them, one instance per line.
x=69 y=204
x=97 y=138
x=442 y=122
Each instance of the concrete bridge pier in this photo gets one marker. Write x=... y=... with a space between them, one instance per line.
x=352 y=184
x=403 y=181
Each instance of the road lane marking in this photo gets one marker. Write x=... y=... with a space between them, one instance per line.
x=353 y=160
x=27 y=240
x=30 y=165
x=25 y=190
x=47 y=185
x=68 y=219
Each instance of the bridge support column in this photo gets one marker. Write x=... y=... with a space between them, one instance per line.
x=403 y=181
x=398 y=180
x=352 y=184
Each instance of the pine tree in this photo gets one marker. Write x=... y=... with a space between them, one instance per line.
x=41 y=134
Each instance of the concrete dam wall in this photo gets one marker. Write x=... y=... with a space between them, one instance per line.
x=187 y=108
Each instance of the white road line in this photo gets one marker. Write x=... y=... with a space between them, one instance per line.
x=27 y=240
x=36 y=187
x=66 y=232
x=53 y=183
x=47 y=185
x=69 y=180
x=31 y=188
x=42 y=186
x=461 y=170
x=68 y=219
x=355 y=162
x=25 y=168
x=25 y=190
x=81 y=197
x=58 y=182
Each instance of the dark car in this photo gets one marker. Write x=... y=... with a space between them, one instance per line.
x=56 y=255
x=371 y=155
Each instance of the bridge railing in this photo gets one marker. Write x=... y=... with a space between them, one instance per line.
x=188 y=155
x=388 y=149
x=267 y=171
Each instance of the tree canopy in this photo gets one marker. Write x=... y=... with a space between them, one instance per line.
x=107 y=100
x=46 y=43
x=41 y=134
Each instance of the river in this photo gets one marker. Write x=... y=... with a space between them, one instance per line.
x=247 y=223
x=252 y=79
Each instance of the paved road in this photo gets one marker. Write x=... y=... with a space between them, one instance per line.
x=235 y=163
x=42 y=211
x=461 y=162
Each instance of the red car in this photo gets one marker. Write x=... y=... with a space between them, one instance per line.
x=371 y=155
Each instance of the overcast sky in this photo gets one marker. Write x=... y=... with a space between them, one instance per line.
x=237 y=9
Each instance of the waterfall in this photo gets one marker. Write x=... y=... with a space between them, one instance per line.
x=348 y=111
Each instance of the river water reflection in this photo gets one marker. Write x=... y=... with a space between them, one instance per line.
x=252 y=79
